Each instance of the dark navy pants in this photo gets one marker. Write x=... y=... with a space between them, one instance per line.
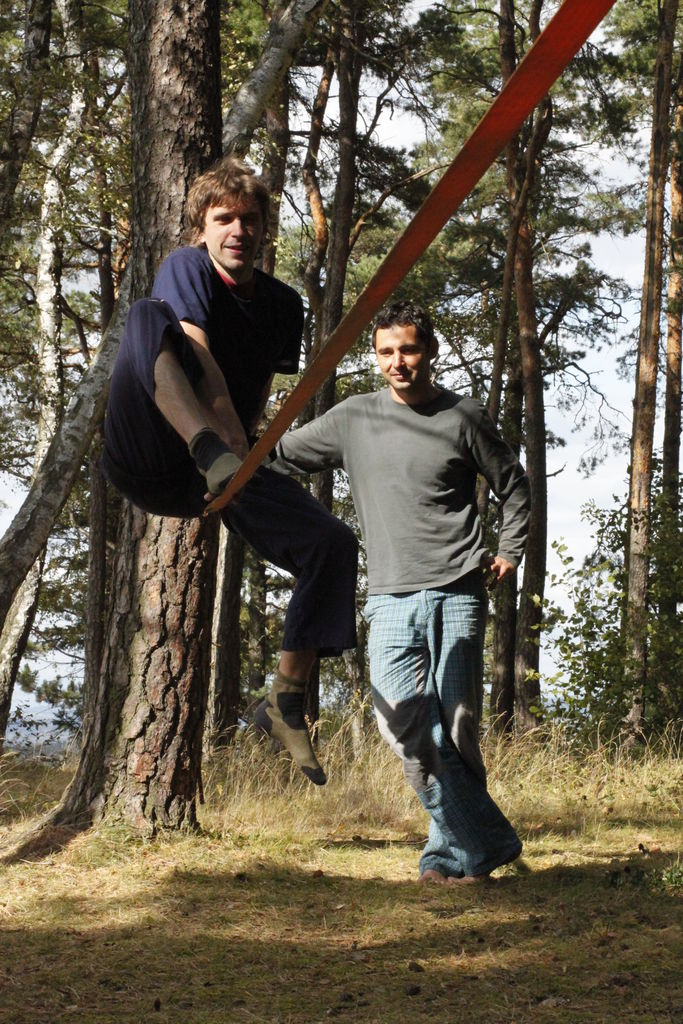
x=148 y=462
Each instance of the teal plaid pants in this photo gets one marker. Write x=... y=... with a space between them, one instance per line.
x=426 y=657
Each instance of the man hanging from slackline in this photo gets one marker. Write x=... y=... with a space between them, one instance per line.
x=412 y=452
x=188 y=388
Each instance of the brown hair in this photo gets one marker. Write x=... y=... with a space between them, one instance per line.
x=228 y=182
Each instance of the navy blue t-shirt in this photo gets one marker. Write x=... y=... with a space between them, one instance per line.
x=249 y=339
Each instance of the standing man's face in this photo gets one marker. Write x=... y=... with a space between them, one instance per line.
x=405 y=364
x=232 y=236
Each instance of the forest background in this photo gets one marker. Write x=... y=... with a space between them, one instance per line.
x=91 y=199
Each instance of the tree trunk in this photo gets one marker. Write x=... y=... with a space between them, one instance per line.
x=227 y=663
x=18 y=129
x=97 y=573
x=530 y=616
x=274 y=168
x=287 y=32
x=668 y=689
x=258 y=624
x=671 y=446
x=349 y=67
x=321 y=234
x=98 y=525
x=502 y=704
x=142 y=748
x=15 y=636
x=646 y=375
x=141 y=758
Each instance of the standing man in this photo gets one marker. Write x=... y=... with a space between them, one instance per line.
x=190 y=384
x=412 y=453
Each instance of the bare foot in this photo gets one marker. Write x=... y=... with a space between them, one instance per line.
x=470 y=880
x=430 y=875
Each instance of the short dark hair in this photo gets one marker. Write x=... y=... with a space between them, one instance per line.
x=405 y=314
x=228 y=182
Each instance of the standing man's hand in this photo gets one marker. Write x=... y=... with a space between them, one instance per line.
x=496 y=569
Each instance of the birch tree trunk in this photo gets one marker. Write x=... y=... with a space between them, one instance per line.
x=646 y=375
x=17 y=131
x=287 y=32
x=17 y=627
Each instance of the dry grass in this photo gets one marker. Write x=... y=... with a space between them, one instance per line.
x=296 y=905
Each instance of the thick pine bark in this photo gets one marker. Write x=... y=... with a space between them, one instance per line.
x=143 y=743
x=646 y=375
x=175 y=113
x=18 y=129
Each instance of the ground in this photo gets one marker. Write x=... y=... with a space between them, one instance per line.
x=304 y=906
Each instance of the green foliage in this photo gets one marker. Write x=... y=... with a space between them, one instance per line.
x=592 y=685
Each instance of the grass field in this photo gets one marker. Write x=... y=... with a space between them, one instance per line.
x=297 y=905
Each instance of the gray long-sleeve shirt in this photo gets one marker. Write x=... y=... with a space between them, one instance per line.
x=413 y=471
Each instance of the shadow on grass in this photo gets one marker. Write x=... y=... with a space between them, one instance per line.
x=41 y=840
x=573 y=824
x=273 y=944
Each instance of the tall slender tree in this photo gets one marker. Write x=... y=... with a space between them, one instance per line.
x=642 y=437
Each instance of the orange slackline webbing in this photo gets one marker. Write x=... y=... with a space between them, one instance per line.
x=558 y=43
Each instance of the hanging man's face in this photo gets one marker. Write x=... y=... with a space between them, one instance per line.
x=405 y=362
x=232 y=236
